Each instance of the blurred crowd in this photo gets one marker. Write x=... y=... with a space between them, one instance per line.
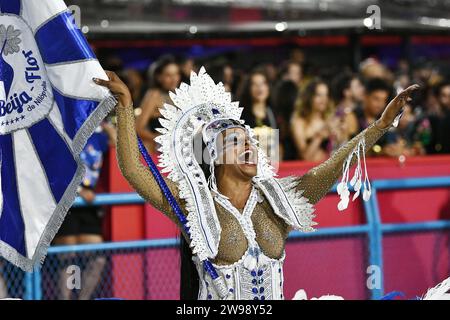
x=311 y=115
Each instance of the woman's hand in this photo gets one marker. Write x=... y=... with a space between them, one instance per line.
x=117 y=88
x=396 y=105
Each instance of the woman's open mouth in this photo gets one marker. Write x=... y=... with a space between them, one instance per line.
x=248 y=157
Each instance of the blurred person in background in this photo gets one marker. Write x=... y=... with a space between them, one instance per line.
x=112 y=62
x=297 y=55
x=285 y=100
x=165 y=76
x=427 y=112
x=135 y=82
x=377 y=93
x=292 y=71
x=83 y=225
x=187 y=64
x=229 y=78
x=443 y=97
x=431 y=102
x=348 y=94
x=424 y=73
x=257 y=112
x=403 y=66
x=402 y=81
x=413 y=132
x=271 y=71
x=371 y=68
x=414 y=129
x=312 y=124
x=225 y=72
x=255 y=99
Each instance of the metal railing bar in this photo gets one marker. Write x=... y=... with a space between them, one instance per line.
x=416 y=226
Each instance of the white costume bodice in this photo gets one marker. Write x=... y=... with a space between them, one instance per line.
x=255 y=276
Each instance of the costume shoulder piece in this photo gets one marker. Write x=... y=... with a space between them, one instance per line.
x=293 y=206
x=204 y=109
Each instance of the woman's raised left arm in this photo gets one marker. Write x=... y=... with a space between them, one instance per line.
x=318 y=181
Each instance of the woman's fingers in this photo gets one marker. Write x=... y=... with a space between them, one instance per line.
x=101 y=82
x=113 y=85
x=412 y=88
x=107 y=83
x=111 y=75
x=407 y=92
x=405 y=96
x=117 y=88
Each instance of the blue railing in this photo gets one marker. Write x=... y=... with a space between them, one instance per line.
x=373 y=229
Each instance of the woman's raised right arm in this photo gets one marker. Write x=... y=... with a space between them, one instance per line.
x=128 y=156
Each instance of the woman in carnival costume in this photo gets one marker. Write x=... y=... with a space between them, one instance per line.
x=236 y=213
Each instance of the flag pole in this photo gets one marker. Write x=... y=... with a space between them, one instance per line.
x=209 y=267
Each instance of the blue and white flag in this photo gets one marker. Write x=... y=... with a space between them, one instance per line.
x=49 y=107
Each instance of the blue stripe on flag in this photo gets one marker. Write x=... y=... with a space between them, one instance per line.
x=12 y=228
x=10 y=6
x=74 y=112
x=60 y=40
x=55 y=156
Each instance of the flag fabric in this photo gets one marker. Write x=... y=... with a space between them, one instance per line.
x=49 y=107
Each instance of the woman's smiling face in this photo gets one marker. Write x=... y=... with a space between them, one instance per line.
x=237 y=152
